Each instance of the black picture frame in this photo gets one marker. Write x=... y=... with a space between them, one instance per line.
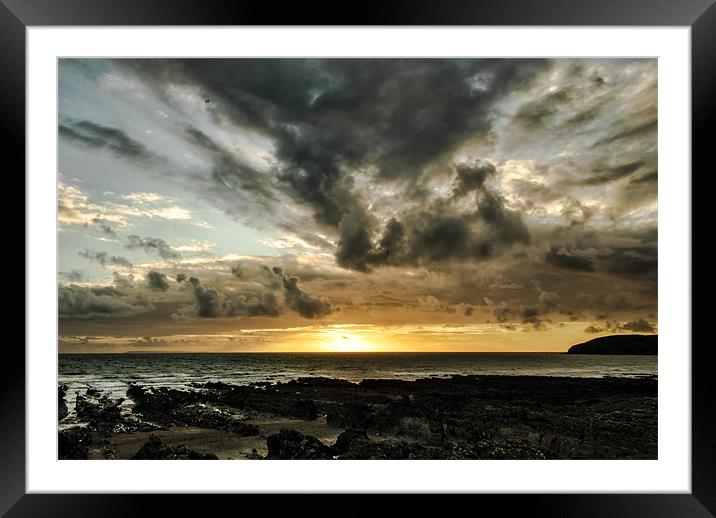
x=700 y=15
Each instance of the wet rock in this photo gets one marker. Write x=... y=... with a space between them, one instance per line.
x=320 y=381
x=155 y=449
x=62 y=410
x=98 y=409
x=73 y=443
x=213 y=385
x=290 y=444
x=168 y=407
x=157 y=403
x=206 y=416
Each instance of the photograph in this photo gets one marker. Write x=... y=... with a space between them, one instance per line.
x=357 y=258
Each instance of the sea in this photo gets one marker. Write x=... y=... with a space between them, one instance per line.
x=115 y=372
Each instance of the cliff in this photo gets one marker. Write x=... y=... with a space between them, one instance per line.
x=618 y=344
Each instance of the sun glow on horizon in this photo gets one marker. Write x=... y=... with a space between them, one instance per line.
x=338 y=340
x=349 y=338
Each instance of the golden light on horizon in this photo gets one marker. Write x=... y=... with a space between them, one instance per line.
x=338 y=340
x=350 y=338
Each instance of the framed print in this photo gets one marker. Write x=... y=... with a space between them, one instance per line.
x=424 y=250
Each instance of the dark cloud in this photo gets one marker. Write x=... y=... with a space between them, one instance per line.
x=103 y=226
x=212 y=303
x=471 y=177
x=529 y=315
x=73 y=275
x=617 y=301
x=438 y=233
x=81 y=302
x=503 y=313
x=122 y=281
x=355 y=245
x=152 y=245
x=115 y=140
x=232 y=174
x=625 y=252
x=328 y=118
x=534 y=115
x=209 y=302
x=605 y=174
x=563 y=257
x=157 y=281
x=646 y=178
x=549 y=300
x=237 y=271
x=265 y=304
x=630 y=132
x=639 y=326
x=593 y=329
x=105 y=259
x=306 y=305
x=507 y=225
x=638 y=260
x=585 y=116
x=399 y=113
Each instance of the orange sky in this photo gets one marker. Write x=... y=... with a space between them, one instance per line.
x=349 y=338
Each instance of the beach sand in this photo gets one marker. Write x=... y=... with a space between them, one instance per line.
x=223 y=444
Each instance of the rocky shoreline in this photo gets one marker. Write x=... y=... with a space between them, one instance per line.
x=462 y=417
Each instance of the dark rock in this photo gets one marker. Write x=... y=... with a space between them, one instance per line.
x=155 y=449
x=73 y=443
x=62 y=410
x=213 y=385
x=320 y=381
x=345 y=441
x=98 y=409
x=206 y=416
x=380 y=383
x=361 y=447
x=159 y=404
x=306 y=409
x=241 y=429
x=169 y=407
x=290 y=444
x=618 y=344
x=485 y=417
x=356 y=416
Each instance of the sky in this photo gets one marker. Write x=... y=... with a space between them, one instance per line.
x=355 y=204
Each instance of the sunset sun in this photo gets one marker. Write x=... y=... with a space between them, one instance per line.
x=338 y=341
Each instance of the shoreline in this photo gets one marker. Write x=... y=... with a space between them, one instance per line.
x=460 y=417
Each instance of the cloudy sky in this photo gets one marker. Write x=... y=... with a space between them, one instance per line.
x=355 y=204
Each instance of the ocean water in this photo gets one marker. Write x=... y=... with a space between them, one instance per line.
x=114 y=372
